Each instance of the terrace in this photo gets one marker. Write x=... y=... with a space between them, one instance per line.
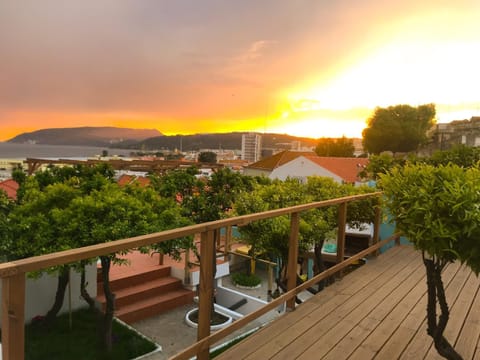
x=378 y=310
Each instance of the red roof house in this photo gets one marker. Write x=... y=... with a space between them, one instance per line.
x=10 y=187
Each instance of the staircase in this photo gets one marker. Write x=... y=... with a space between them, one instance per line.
x=140 y=294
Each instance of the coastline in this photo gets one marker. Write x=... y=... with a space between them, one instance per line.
x=23 y=151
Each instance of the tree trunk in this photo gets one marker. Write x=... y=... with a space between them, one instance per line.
x=436 y=292
x=59 y=296
x=109 y=306
x=319 y=265
x=83 y=289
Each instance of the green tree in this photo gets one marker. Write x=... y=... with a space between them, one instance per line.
x=462 y=155
x=207 y=157
x=380 y=164
x=6 y=206
x=341 y=147
x=113 y=213
x=34 y=229
x=212 y=199
x=399 y=128
x=271 y=236
x=176 y=182
x=437 y=209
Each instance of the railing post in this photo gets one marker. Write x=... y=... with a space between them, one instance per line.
x=376 y=227
x=342 y=223
x=13 y=317
x=205 y=302
x=292 y=257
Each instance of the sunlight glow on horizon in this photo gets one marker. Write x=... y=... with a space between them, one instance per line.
x=417 y=57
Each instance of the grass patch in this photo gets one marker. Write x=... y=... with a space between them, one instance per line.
x=243 y=279
x=82 y=341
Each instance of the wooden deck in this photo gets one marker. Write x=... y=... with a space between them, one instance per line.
x=378 y=311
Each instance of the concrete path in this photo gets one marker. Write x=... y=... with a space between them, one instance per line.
x=171 y=332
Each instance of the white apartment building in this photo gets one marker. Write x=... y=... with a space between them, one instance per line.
x=251 y=147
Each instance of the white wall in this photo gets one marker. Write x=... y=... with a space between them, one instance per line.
x=227 y=297
x=301 y=167
x=255 y=172
x=40 y=293
x=223 y=269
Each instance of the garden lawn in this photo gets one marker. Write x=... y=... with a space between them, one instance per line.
x=82 y=341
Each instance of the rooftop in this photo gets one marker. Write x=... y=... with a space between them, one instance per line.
x=377 y=311
x=10 y=187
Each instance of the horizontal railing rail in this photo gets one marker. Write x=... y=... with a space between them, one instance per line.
x=13 y=273
x=207 y=342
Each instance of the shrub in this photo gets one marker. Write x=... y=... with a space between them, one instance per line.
x=246 y=280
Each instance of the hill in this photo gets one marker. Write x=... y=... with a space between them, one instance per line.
x=229 y=141
x=87 y=136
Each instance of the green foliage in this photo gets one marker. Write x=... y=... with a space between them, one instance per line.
x=35 y=227
x=271 y=236
x=113 y=213
x=207 y=157
x=437 y=208
x=341 y=147
x=243 y=279
x=461 y=155
x=213 y=199
x=400 y=128
x=175 y=182
x=380 y=164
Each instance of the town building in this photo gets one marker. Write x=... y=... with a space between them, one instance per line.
x=10 y=187
x=466 y=132
x=251 y=147
x=300 y=165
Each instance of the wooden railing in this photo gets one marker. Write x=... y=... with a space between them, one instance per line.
x=13 y=273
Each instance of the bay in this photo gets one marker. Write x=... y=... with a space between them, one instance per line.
x=23 y=151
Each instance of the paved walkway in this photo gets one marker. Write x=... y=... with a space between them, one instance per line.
x=171 y=332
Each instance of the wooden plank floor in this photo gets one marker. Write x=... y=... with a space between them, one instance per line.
x=378 y=311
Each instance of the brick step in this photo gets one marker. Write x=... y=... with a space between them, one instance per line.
x=139 y=291
x=154 y=305
x=124 y=280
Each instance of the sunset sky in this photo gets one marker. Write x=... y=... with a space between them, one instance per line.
x=304 y=67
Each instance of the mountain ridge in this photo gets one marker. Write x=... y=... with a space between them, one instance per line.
x=151 y=139
x=86 y=136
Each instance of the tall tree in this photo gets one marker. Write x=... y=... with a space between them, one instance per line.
x=207 y=157
x=399 y=128
x=271 y=236
x=34 y=229
x=436 y=207
x=341 y=147
x=113 y=213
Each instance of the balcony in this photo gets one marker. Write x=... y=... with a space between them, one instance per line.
x=378 y=310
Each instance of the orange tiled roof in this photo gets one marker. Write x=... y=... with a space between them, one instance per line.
x=10 y=187
x=130 y=179
x=346 y=168
x=274 y=161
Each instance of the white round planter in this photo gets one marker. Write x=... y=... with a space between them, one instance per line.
x=212 y=327
x=248 y=287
